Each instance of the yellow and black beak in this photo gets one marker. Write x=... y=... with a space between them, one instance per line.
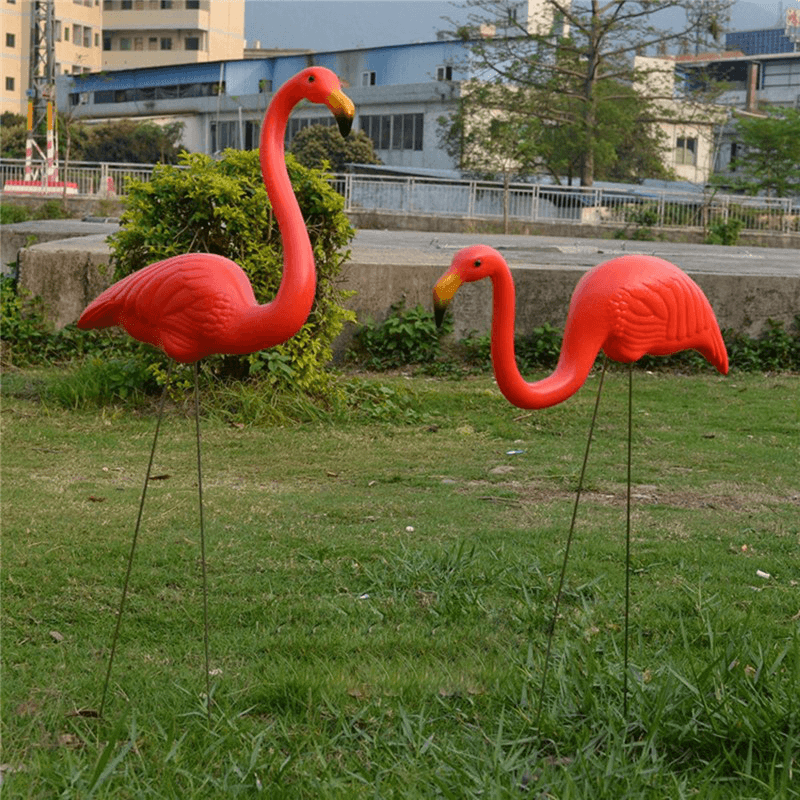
x=443 y=293
x=342 y=108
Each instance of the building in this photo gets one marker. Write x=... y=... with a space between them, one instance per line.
x=760 y=42
x=688 y=127
x=77 y=45
x=146 y=33
x=752 y=84
x=93 y=35
x=399 y=92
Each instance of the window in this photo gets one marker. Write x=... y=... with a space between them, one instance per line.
x=192 y=42
x=126 y=5
x=106 y=42
x=686 y=151
x=166 y=3
x=97 y=40
x=444 y=73
x=124 y=43
x=152 y=43
x=66 y=33
x=294 y=126
x=57 y=32
x=734 y=153
x=77 y=35
x=138 y=43
x=87 y=37
x=11 y=40
x=394 y=131
x=166 y=43
x=9 y=84
x=368 y=78
x=224 y=135
x=192 y=4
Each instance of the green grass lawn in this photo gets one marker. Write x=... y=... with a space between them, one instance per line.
x=381 y=593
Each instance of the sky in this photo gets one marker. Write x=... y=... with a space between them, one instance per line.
x=346 y=24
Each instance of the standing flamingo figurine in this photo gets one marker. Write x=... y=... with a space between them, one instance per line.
x=629 y=307
x=198 y=304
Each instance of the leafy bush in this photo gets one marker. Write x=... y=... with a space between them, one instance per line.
x=724 y=231
x=406 y=336
x=222 y=207
x=50 y=209
x=318 y=145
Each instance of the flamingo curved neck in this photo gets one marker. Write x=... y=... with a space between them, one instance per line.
x=280 y=319
x=570 y=372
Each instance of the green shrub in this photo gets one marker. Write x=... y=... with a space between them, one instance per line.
x=9 y=214
x=406 y=336
x=724 y=232
x=222 y=207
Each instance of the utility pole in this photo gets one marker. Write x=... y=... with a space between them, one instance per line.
x=41 y=94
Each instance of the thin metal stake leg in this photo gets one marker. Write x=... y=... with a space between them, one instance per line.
x=627 y=551
x=560 y=589
x=135 y=538
x=202 y=543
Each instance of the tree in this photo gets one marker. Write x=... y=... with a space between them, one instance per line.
x=123 y=141
x=317 y=144
x=771 y=160
x=575 y=63
x=132 y=142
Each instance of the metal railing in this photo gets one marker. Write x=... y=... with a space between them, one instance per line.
x=633 y=207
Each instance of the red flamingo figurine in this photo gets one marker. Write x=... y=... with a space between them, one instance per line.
x=628 y=307
x=198 y=304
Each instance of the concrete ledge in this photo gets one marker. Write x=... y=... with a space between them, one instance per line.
x=745 y=288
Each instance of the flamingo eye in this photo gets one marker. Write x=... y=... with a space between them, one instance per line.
x=311 y=79
x=476 y=263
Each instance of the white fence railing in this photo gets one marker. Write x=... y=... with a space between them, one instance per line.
x=634 y=207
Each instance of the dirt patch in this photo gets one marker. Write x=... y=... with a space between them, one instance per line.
x=728 y=498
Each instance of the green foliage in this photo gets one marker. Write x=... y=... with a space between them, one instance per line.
x=10 y=213
x=132 y=142
x=124 y=140
x=724 y=231
x=771 y=159
x=406 y=336
x=50 y=209
x=222 y=207
x=322 y=147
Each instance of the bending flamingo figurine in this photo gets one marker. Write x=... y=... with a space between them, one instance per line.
x=198 y=304
x=628 y=307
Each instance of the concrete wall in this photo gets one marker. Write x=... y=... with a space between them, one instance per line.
x=69 y=274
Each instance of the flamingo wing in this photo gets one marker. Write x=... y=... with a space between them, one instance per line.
x=661 y=315
x=183 y=305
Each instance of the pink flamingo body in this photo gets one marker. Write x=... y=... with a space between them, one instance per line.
x=628 y=307
x=197 y=304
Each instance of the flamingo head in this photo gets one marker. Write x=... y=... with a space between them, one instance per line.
x=320 y=85
x=470 y=264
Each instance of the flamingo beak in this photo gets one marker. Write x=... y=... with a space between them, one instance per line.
x=443 y=293
x=342 y=108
